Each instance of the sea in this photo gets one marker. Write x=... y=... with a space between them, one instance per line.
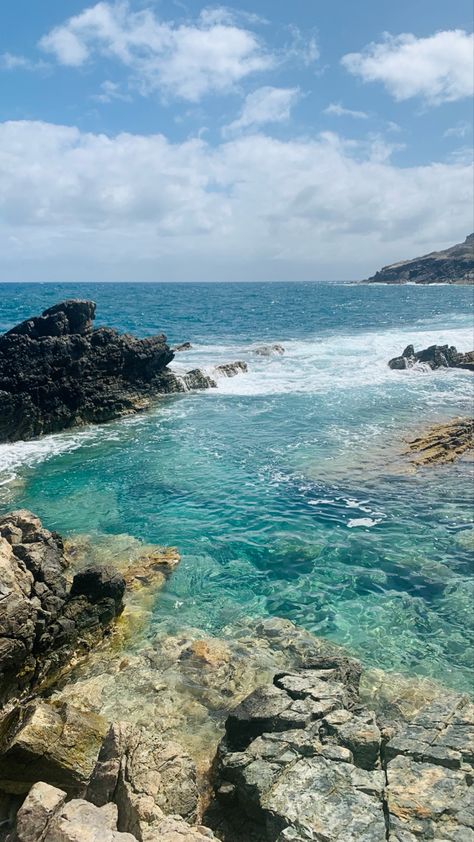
x=285 y=489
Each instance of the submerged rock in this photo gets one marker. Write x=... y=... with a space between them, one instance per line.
x=442 y=443
x=56 y=371
x=43 y=622
x=436 y=356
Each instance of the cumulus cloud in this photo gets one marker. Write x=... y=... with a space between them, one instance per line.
x=77 y=205
x=338 y=110
x=265 y=105
x=438 y=68
x=187 y=61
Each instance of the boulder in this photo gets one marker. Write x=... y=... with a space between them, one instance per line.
x=269 y=350
x=52 y=742
x=57 y=371
x=147 y=776
x=43 y=623
x=231 y=369
x=185 y=346
x=45 y=817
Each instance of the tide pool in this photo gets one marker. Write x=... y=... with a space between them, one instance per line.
x=283 y=488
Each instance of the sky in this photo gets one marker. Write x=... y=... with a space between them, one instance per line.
x=170 y=140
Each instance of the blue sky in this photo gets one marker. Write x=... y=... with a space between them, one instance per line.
x=257 y=141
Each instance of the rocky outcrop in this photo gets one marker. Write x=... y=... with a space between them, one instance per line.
x=56 y=371
x=302 y=759
x=269 y=350
x=436 y=356
x=46 y=817
x=454 y=265
x=442 y=443
x=231 y=369
x=52 y=742
x=148 y=778
x=43 y=622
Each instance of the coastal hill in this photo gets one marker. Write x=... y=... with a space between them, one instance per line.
x=454 y=265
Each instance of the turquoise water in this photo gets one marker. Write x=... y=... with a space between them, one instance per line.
x=283 y=488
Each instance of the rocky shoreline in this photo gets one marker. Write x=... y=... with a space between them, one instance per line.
x=269 y=735
x=58 y=371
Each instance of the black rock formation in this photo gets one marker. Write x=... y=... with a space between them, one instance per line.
x=56 y=371
x=454 y=265
x=436 y=356
x=43 y=622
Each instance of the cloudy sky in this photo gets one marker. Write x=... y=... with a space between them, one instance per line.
x=264 y=140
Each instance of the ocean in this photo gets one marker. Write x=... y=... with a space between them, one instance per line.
x=284 y=489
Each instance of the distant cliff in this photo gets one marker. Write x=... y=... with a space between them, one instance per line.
x=451 y=266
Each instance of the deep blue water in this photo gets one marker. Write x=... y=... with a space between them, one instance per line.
x=283 y=488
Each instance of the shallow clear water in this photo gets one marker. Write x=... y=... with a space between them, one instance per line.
x=282 y=488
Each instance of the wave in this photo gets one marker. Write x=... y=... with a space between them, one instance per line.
x=327 y=363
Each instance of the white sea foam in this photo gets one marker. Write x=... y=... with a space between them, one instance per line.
x=326 y=363
x=362 y=521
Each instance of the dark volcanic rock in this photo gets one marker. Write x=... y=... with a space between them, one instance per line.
x=436 y=356
x=56 y=371
x=42 y=623
x=303 y=759
x=454 y=265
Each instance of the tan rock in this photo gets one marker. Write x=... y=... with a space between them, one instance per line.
x=37 y=810
x=52 y=742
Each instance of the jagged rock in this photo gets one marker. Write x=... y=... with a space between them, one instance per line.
x=52 y=742
x=334 y=774
x=268 y=350
x=185 y=346
x=436 y=356
x=299 y=756
x=44 y=817
x=196 y=379
x=42 y=622
x=231 y=369
x=454 y=265
x=173 y=829
x=57 y=372
x=37 y=811
x=146 y=776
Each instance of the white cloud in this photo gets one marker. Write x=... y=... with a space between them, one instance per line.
x=187 y=60
x=438 y=68
x=461 y=129
x=77 y=205
x=110 y=91
x=265 y=105
x=12 y=61
x=338 y=110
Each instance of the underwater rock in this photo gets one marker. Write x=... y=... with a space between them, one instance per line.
x=303 y=759
x=56 y=371
x=442 y=443
x=231 y=369
x=43 y=623
x=436 y=356
x=268 y=350
x=52 y=742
